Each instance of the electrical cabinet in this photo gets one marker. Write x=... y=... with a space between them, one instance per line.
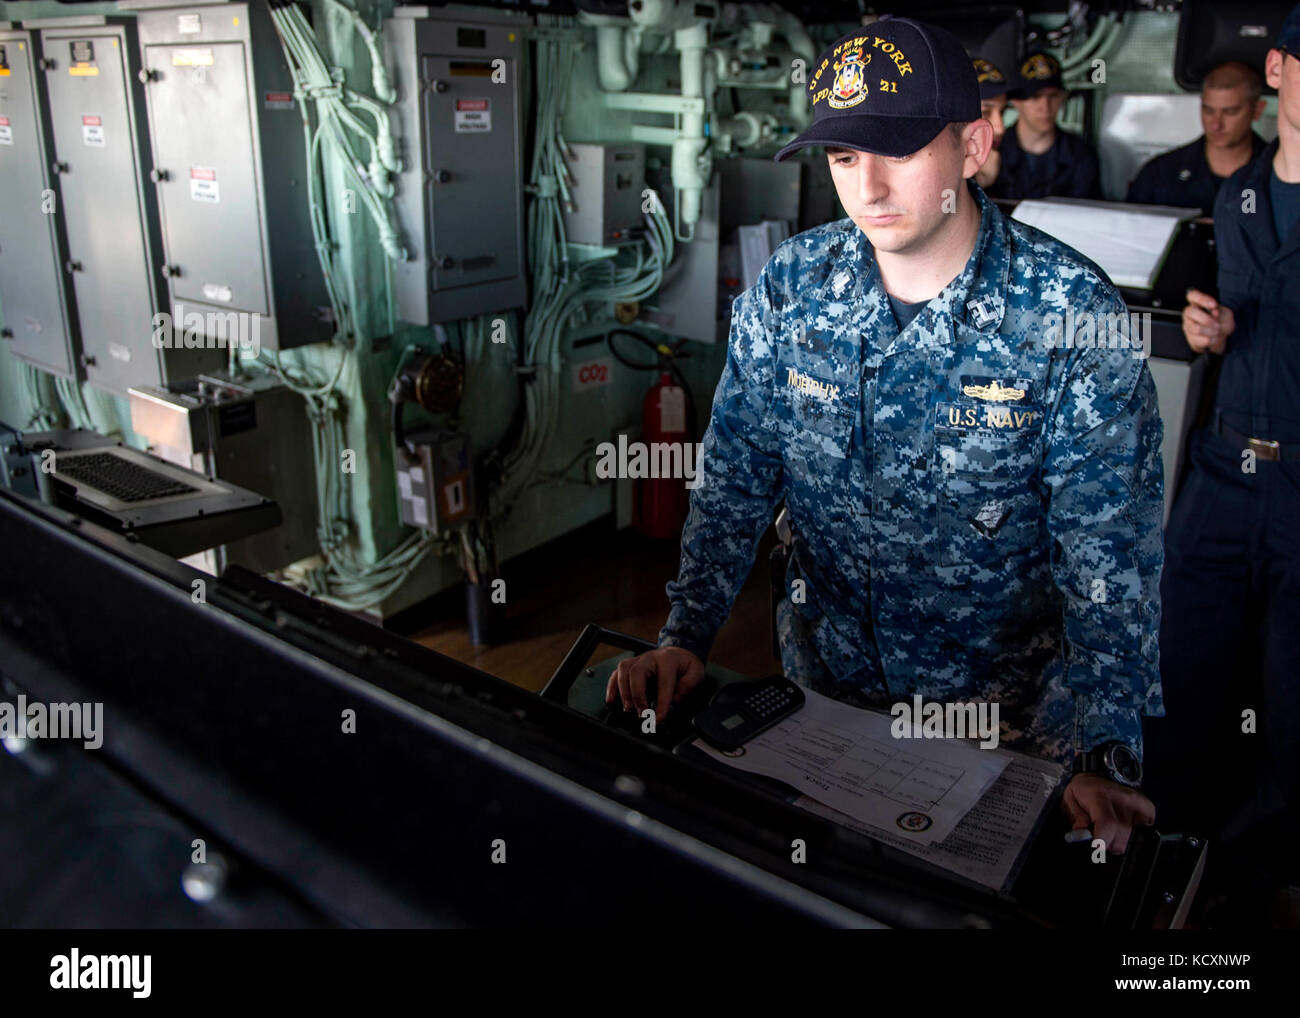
x=39 y=323
x=459 y=199
x=608 y=181
x=101 y=153
x=230 y=169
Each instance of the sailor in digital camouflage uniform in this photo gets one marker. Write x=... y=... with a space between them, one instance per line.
x=976 y=504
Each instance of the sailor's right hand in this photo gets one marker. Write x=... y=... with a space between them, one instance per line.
x=671 y=671
x=1207 y=324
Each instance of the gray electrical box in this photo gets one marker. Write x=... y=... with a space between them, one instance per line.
x=101 y=153
x=608 y=181
x=39 y=323
x=230 y=169
x=435 y=484
x=460 y=196
x=250 y=431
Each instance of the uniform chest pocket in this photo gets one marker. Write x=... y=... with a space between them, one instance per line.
x=988 y=506
x=992 y=442
x=819 y=428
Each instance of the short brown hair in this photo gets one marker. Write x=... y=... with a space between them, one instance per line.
x=1236 y=75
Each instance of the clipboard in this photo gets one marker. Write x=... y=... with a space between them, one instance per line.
x=1028 y=784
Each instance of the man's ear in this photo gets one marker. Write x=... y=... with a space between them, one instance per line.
x=977 y=143
x=1273 y=67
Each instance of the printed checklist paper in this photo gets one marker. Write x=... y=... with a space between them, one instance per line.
x=846 y=758
x=987 y=846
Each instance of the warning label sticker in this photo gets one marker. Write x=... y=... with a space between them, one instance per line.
x=92 y=131
x=592 y=374
x=6 y=132
x=278 y=100
x=672 y=409
x=203 y=184
x=192 y=58
x=473 y=115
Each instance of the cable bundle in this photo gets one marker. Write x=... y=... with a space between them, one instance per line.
x=339 y=112
x=43 y=415
x=561 y=293
x=346 y=580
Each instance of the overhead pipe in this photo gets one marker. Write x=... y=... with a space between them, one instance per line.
x=617 y=55
x=690 y=171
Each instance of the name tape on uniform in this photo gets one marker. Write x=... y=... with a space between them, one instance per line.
x=813 y=386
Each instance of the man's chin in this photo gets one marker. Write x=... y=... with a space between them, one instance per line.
x=886 y=238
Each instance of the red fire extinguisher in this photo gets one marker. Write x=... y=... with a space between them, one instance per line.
x=662 y=501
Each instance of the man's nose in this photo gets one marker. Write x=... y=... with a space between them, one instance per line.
x=871 y=183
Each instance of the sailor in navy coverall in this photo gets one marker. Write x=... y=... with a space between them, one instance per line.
x=1225 y=759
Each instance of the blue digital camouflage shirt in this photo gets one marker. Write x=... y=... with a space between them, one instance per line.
x=977 y=504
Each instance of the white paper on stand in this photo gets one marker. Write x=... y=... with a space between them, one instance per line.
x=848 y=759
x=1129 y=242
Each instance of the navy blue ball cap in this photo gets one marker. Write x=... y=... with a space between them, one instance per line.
x=1289 y=37
x=889 y=87
x=1039 y=70
x=992 y=81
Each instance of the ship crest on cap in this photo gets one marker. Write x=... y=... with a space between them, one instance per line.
x=1038 y=67
x=986 y=72
x=849 y=87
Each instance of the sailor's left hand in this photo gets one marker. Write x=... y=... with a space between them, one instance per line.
x=1107 y=808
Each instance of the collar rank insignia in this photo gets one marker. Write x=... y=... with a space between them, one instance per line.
x=839 y=282
x=1185 y=175
x=994 y=391
x=984 y=311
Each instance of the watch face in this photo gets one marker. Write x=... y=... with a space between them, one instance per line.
x=1125 y=763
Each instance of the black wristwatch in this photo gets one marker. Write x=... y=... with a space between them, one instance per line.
x=1114 y=760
